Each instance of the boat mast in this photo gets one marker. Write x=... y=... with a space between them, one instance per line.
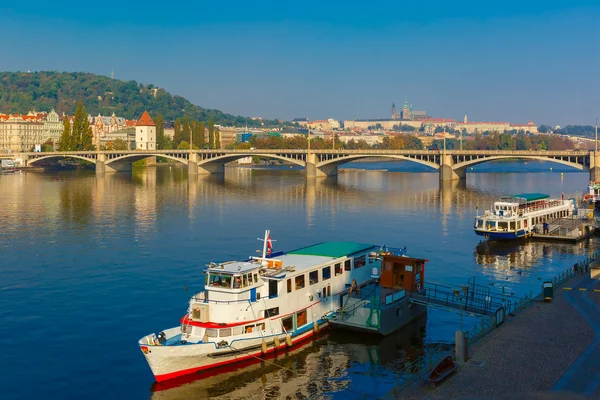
x=264 y=252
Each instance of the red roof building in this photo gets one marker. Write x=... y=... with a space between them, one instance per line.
x=145 y=120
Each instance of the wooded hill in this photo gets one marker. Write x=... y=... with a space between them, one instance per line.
x=21 y=92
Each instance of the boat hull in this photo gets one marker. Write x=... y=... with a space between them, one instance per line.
x=170 y=362
x=502 y=235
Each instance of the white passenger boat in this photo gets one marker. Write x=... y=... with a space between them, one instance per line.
x=521 y=215
x=258 y=306
x=592 y=197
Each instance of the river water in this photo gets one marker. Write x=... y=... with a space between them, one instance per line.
x=91 y=264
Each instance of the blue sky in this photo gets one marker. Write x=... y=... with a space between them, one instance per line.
x=504 y=60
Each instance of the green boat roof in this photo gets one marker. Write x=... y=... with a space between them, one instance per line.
x=333 y=249
x=531 y=196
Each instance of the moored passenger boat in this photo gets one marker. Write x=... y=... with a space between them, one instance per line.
x=521 y=215
x=261 y=305
x=592 y=197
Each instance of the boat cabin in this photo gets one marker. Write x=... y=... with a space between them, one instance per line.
x=401 y=272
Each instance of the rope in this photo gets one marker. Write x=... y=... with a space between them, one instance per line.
x=364 y=395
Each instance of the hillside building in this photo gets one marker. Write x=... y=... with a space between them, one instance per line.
x=145 y=133
x=21 y=133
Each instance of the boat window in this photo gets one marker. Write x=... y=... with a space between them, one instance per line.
x=324 y=292
x=503 y=226
x=288 y=323
x=328 y=290
x=525 y=223
x=338 y=269
x=220 y=280
x=301 y=318
x=271 y=312
x=255 y=278
x=289 y=285
x=237 y=282
x=299 y=281
x=212 y=332
x=348 y=265
x=326 y=273
x=518 y=224
x=225 y=332
x=313 y=277
x=245 y=280
x=261 y=326
x=480 y=223
x=250 y=279
x=237 y=330
x=490 y=225
x=249 y=329
x=359 y=261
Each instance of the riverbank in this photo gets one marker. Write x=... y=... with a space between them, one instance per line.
x=547 y=347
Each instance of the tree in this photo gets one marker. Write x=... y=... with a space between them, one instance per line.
x=217 y=138
x=177 y=135
x=185 y=129
x=201 y=135
x=119 y=144
x=48 y=145
x=160 y=132
x=81 y=135
x=65 y=138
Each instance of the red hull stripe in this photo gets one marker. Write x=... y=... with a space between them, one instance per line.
x=172 y=375
x=217 y=325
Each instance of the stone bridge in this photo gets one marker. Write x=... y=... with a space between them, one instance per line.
x=451 y=164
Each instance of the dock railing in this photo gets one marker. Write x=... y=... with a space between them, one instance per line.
x=480 y=329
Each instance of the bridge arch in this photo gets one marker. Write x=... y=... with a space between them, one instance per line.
x=59 y=156
x=464 y=164
x=226 y=158
x=349 y=158
x=137 y=157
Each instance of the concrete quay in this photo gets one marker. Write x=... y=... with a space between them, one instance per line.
x=549 y=350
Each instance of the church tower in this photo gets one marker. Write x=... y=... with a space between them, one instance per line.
x=395 y=113
x=465 y=120
x=145 y=133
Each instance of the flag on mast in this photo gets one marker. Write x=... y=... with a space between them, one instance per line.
x=269 y=245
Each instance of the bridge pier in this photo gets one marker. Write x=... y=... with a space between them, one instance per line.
x=205 y=169
x=312 y=171
x=123 y=166
x=101 y=164
x=447 y=170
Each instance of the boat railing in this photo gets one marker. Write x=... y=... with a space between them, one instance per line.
x=203 y=297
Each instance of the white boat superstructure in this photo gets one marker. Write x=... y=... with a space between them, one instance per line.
x=521 y=215
x=257 y=306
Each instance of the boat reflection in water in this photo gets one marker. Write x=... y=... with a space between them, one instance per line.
x=521 y=255
x=334 y=362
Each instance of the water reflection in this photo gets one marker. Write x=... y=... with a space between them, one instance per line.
x=333 y=363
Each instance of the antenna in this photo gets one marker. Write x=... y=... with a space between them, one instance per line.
x=266 y=244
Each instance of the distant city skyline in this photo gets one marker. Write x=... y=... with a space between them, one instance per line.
x=512 y=61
